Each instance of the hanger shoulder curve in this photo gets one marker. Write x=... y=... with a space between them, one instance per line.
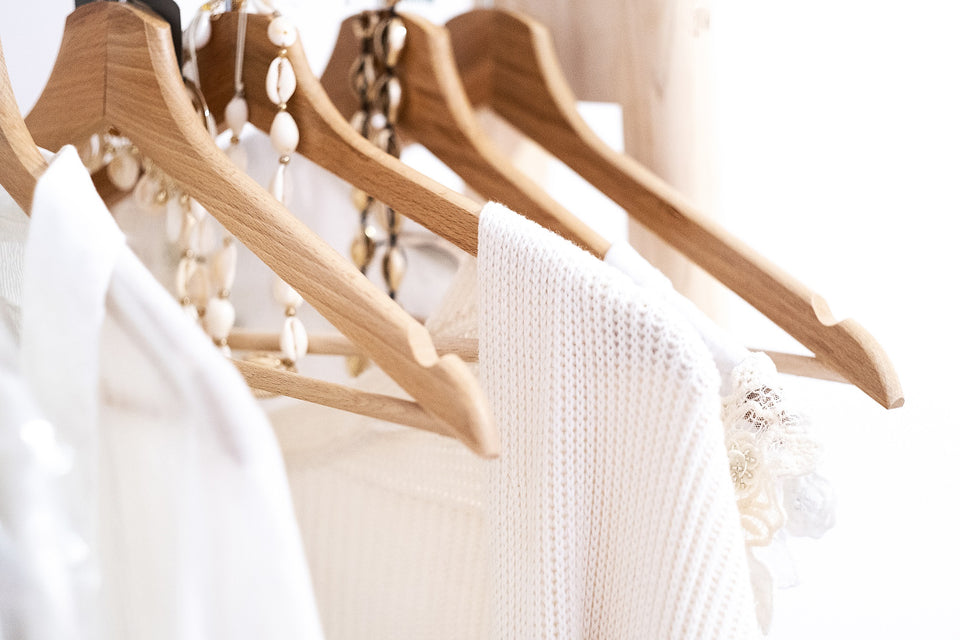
x=509 y=63
x=146 y=101
x=436 y=112
x=21 y=164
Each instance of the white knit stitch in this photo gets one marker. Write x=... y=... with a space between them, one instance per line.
x=611 y=511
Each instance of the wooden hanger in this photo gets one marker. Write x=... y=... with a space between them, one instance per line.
x=468 y=350
x=435 y=112
x=326 y=138
x=21 y=164
x=507 y=62
x=116 y=68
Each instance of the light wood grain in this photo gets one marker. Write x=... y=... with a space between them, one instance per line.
x=437 y=113
x=467 y=349
x=326 y=138
x=806 y=366
x=331 y=344
x=654 y=59
x=145 y=100
x=374 y=405
x=508 y=63
x=20 y=161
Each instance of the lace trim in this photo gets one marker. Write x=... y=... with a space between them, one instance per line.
x=773 y=461
x=771 y=456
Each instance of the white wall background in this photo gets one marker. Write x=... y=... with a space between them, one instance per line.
x=839 y=157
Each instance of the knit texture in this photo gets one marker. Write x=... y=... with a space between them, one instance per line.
x=393 y=524
x=393 y=519
x=611 y=511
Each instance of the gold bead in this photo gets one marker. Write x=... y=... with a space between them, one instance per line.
x=362 y=249
x=357 y=365
x=387 y=140
x=364 y=24
x=359 y=121
x=360 y=200
x=394 y=267
x=388 y=95
x=389 y=41
x=389 y=220
x=363 y=75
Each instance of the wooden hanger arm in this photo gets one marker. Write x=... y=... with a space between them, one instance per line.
x=21 y=164
x=146 y=101
x=373 y=405
x=467 y=349
x=333 y=344
x=437 y=113
x=508 y=62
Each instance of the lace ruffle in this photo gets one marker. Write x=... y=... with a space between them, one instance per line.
x=773 y=461
x=772 y=457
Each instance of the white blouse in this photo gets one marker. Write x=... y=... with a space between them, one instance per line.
x=182 y=522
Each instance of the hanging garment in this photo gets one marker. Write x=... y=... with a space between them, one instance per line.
x=190 y=528
x=610 y=512
x=323 y=202
x=773 y=455
x=611 y=509
x=38 y=569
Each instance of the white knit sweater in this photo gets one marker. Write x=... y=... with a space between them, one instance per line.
x=610 y=513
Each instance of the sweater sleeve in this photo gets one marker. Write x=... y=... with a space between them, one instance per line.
x=611 y=509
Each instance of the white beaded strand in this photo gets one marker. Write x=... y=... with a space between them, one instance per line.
x=281 y=83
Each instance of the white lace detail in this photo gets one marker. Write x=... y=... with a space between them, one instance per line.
x=760 y=511
x=757 y=406
x=773 y=459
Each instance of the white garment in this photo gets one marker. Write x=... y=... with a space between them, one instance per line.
x=190 y=524
x=610 y=512
x=611 y=509
x=38 y=569
x=773 y=457
x=322 y=202
x=726 y=352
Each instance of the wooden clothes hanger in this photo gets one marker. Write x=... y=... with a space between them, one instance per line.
x=436 y=112
x=117 y=68
x=326 y=138
x=507 y=62
x=21 y=164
